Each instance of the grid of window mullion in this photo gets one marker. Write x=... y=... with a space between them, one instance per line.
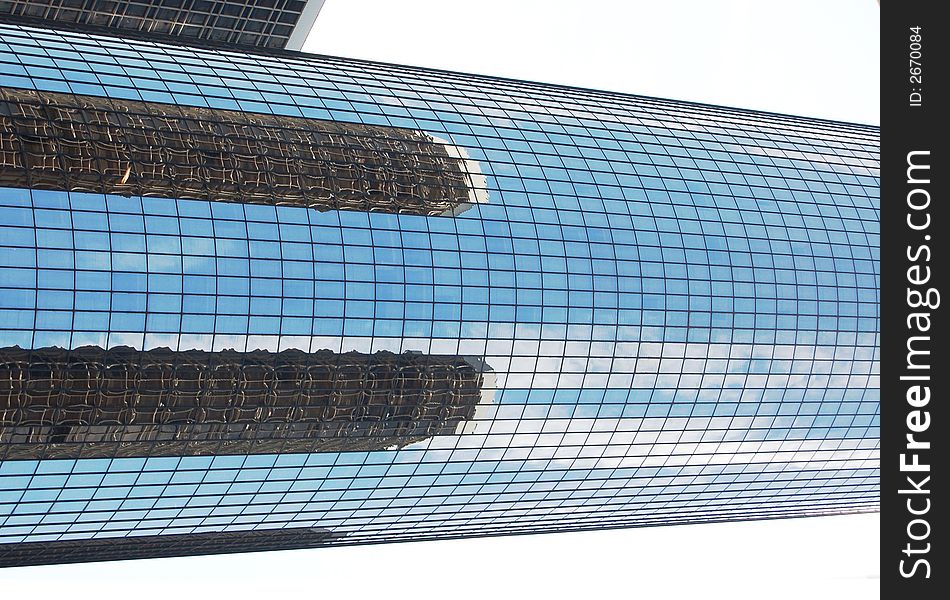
x=653 y=506
x=679 y=303
x=264 y=23
x=745 y=129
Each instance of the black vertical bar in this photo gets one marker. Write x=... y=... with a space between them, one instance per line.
x=913 y=275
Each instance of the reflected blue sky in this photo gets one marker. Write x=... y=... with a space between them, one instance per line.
x=680 y=303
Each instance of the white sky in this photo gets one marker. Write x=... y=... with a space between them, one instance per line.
x=807 y=57
x=791 y=559
x=814 y=58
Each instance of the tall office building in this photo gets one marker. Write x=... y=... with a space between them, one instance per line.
x=255 y=299
x=261 y=23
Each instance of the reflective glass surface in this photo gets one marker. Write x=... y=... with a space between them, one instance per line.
x=265 y=23
x=678 y=304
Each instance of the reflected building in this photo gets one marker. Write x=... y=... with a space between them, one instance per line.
x=80 y=143
x=162 y=546
x=258 y=299
x=91 y=402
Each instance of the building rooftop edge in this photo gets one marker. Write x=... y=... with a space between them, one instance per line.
x=299 y=54
x=304 y=25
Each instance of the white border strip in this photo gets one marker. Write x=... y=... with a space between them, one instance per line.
x=298 y=37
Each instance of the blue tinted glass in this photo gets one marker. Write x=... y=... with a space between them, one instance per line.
x=677 y=305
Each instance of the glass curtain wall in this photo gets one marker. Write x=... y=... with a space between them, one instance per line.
x=672 y=308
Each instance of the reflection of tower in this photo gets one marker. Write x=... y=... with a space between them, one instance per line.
x=69 y=142
x=91 y=402
x=479 y=420
x=161 y=546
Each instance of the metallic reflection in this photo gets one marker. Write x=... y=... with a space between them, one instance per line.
x=72 y=142
x=93 y=402
x=161 y=546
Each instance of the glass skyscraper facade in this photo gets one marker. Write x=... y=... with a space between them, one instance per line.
x=263 y=23
x=281 y=300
